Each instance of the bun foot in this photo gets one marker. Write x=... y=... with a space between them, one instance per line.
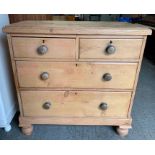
x=122 y=131
x=27 y=130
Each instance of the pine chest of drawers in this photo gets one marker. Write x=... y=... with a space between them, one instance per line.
x=79 y=73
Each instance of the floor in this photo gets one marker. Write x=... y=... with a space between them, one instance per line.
x=143 y=118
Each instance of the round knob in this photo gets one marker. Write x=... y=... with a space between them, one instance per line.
x=47 y=105
x=103 y=106
x=107 y=77
x=110 y=49
x=42 y=49
x=44 y=76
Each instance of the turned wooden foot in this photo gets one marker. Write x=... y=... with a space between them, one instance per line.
x=27 y=130
x=122 y=130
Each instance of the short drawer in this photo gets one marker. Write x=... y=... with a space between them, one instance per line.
x=61 y=48
x=75 y=103
x=110 y=48
x=76 y=75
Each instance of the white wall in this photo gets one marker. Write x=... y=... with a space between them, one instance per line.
x=7 y=89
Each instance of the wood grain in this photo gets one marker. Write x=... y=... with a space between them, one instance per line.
x=76 y=75
x=96 y=48
x=27 y=121
x=57 y=47
x=75 y=103
x=14 y=69
x=22 y=17
x=137 y=75
x=77 y=27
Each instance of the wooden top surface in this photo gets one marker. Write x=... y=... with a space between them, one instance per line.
x=77 y=27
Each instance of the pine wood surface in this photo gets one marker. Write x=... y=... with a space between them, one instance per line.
x=77 y=27
x=76 y=63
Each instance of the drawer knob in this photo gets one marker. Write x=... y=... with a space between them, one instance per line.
x=47 y=105
x=44 y=76
x=103 y=106
x=42 y=49
x=110 y=49
x=107 y=77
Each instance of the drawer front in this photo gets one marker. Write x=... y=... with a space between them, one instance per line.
x=43 y=47
x=75 y=103
x=76 y=75
x=110 y=48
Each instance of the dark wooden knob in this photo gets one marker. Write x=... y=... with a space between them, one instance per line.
x=107 y=77
x=42 y=50
x=47 y=105
x=44 y=76
x=110 y=49
x=103 y=106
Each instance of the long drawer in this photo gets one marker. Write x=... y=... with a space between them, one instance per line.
x=76 y=75
x=62 y=48
x=110 y=48
x=75 y=103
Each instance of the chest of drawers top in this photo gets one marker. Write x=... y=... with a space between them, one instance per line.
x=80 y=27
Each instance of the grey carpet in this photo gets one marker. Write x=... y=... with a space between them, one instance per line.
x=143 y=118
